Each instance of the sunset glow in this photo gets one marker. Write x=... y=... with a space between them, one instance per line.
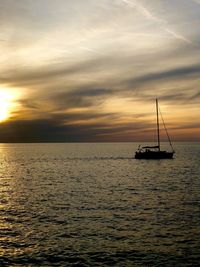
x=91 y=70
x=6 y=99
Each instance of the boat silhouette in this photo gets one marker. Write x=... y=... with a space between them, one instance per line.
x=155 y=152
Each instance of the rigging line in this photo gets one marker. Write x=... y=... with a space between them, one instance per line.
x=166 y=130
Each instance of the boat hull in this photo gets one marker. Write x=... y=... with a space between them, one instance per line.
x=154 y=155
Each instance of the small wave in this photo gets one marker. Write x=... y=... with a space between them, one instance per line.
x=100 y=158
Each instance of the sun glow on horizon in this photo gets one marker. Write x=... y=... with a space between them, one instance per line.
x=6 y=104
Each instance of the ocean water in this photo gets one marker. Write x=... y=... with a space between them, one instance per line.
x=94 y=205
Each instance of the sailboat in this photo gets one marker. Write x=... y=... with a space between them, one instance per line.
x=155 y=152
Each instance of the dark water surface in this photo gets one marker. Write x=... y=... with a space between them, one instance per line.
x=93 y=205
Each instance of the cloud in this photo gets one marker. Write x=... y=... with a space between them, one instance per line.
x=55 y=130
x=90 y=70
x=32 y=75
x=84 y=97
x=169 y=74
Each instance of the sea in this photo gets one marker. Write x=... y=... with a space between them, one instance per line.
x=93 y=204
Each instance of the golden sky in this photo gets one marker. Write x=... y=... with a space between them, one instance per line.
x=91 y=70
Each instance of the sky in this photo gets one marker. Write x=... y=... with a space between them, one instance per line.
x=90 y=71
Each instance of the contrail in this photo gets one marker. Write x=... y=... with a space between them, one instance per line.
x=162 y=23
x=197 y=1
x=177 y=36
x=144 y=11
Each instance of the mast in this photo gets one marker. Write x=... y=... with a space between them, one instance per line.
x=166 y=131
x=158 y=130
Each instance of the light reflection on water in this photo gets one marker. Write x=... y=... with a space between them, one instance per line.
x=93 y=205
